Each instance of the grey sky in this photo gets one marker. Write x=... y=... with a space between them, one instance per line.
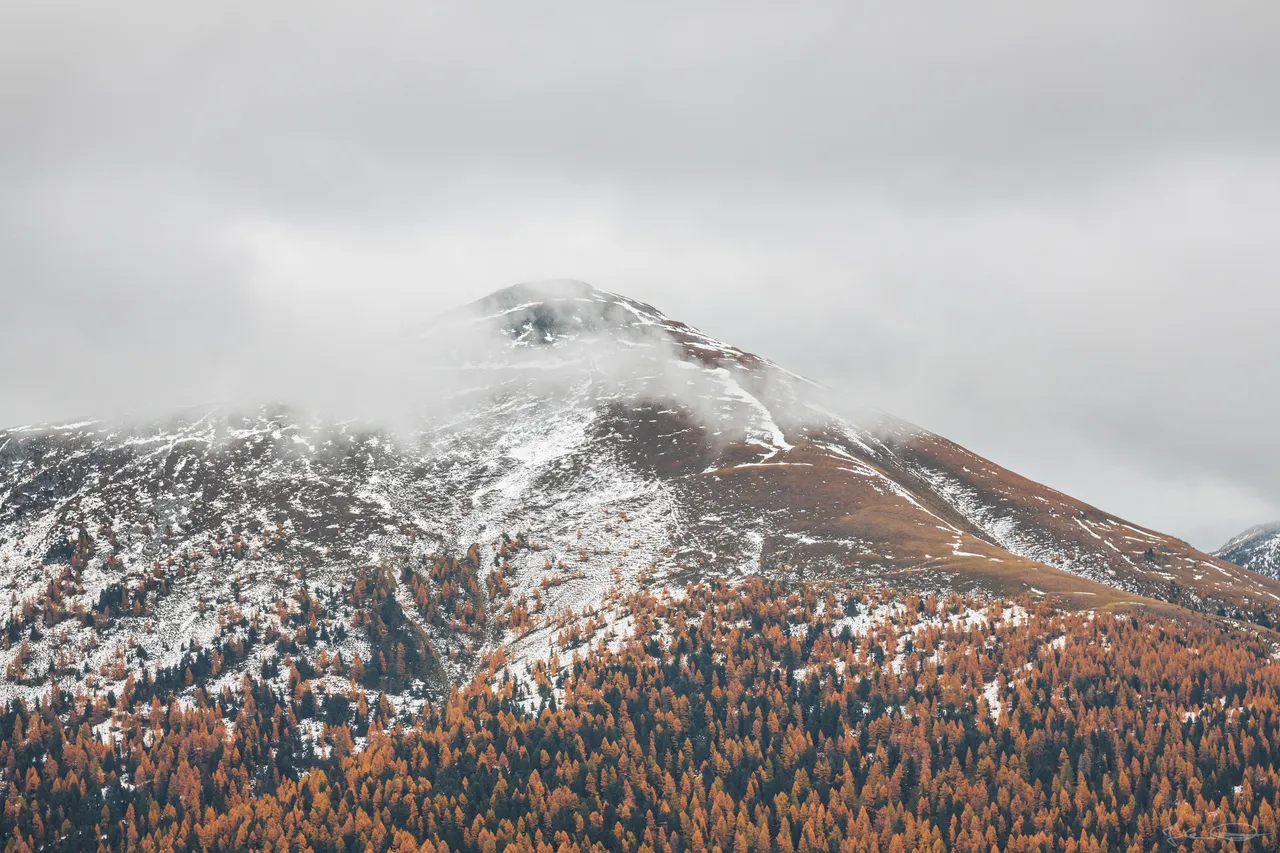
x=1049 y=235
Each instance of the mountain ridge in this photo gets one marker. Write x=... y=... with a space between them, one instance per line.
x=1257 y=549
x=589 y=445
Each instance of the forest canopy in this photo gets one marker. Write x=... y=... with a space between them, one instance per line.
x=760 y=717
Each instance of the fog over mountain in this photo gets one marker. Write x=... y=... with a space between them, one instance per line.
x=1047 y=234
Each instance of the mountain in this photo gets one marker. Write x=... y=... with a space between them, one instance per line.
x=565 y=447
x=1257 y=549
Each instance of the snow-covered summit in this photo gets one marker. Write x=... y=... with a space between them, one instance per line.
x=548 y=311
x=1257 y=548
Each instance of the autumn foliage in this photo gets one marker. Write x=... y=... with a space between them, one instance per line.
x=756 y=718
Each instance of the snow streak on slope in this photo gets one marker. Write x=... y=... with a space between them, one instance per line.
x=1041 y=524
x=1025 y=541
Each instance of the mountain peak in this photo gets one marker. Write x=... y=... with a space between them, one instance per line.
x=1257 y=548
x=566 y=292
x=557 y=311
x=549 y=289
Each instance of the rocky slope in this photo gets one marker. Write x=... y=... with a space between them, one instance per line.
x=1257 y=549
x=580 y=445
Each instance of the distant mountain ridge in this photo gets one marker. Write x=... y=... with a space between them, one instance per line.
x=588 y=445
x=1257 y=549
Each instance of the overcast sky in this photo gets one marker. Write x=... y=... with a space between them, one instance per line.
x=1049 y=235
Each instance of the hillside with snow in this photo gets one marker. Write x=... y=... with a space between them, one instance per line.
x=577 y=445
x=1257 y=549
